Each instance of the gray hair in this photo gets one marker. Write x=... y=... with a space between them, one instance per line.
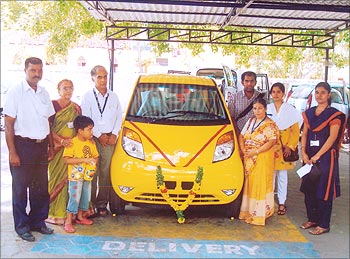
x=95 y=68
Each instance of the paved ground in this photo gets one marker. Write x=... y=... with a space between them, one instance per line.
x=154 y=232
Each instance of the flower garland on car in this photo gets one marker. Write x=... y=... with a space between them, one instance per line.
x=179 y=209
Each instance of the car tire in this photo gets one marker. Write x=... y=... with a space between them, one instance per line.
x=116 y=204
x=232 y=209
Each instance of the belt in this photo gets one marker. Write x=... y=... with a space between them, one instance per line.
x=31 y=140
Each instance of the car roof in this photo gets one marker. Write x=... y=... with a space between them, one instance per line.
x=176 y=79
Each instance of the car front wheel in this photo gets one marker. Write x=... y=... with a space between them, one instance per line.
x=116 y=204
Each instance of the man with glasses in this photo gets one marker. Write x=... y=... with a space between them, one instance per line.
x=103 y=106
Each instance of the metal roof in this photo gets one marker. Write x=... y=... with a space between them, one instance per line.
x=326 y=15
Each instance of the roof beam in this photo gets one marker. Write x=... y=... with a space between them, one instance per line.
x=227 y=21
x=183 y=35
x=301 y=7
x=212 y=3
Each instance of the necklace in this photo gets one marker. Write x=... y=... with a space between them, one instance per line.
x=254 y=128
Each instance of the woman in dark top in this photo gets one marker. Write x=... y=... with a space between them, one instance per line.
x=322 y=134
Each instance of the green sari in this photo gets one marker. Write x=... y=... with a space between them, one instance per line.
x=58 y=180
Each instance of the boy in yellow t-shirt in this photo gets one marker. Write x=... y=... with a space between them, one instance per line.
x=81 y=158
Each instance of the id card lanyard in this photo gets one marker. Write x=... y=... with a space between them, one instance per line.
x=98 y=103
x=254 y=128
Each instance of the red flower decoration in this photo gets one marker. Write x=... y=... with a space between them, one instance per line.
x=192 y=192
x=165 y=190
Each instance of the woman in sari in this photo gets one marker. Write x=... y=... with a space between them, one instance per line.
x=289 y=121
x=62 y=132
x=257 y=140
x=321 y=139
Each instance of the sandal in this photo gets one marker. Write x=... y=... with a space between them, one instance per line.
x=308 y=224
x=282 y=209
x=319 y=231
x=84 y=221
x=69 y=228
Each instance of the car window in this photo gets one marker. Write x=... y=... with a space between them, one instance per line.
x=342 y=90
x=217 y=74
x=336 y=98
x=174 y=102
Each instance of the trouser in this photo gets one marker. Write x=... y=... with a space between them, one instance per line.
x=317 y=210
x=101 y=184
x=31 y=174
x=79 y=196
x=281 y=177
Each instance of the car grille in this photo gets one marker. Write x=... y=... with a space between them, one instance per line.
x=158 y=198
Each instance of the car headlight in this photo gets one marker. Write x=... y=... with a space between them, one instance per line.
x=132 y=144
x=224 y=147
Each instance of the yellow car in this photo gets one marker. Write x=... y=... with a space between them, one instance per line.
x=174 y=127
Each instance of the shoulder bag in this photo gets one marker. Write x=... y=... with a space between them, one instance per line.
x=249 y=107
x=294 y=155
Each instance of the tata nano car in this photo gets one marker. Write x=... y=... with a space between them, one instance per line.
x=179 y=123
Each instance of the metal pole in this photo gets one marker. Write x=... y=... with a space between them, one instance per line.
x=111 y=68
x=326 y=63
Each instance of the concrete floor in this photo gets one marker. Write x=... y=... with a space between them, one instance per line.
x=144 y=232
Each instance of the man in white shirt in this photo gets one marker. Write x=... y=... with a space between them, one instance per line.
x=27 y=131
x=103 y=106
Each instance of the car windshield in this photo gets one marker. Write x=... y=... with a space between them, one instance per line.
x=174 y=103
x=302 y=92
x=336 y=97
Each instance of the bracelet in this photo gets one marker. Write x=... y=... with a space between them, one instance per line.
x=62 y=141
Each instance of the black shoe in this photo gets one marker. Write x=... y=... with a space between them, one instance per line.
x=93 y=215
x=27 y=236
x=43 y=230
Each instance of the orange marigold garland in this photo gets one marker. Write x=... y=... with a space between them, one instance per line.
x=179 y=208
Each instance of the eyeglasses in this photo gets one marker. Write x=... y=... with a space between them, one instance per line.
x=66 y=89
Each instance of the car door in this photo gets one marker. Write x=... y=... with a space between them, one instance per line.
x=262 y=84
x=230 y=86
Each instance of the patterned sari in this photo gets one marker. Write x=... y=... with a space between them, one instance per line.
x=57 y=167
x=258 y=197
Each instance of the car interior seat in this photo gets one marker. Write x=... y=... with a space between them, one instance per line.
x=153 y=104
x=194 y=102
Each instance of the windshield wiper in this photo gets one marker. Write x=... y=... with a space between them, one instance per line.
x=181 y=113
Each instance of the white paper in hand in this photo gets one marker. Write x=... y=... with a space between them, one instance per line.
x=305 y=169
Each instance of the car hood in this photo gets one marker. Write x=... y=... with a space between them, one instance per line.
x=177 y=145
